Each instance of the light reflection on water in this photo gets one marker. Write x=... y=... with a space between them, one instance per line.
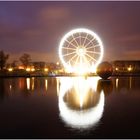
x=11 y=85
x=46 y=84
x=80 y=105
x=28 y=83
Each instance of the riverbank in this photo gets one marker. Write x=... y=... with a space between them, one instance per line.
x=43 y=74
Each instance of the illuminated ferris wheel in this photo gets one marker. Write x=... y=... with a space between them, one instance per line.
x=81 y=50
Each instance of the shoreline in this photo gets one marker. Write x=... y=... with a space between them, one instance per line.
x=66 y=75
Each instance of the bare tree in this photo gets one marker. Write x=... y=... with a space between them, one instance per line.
x=25 y=59
x=3 y=59
x=14 y=63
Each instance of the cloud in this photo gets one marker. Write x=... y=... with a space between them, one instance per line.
x=135 y=54
x=54 y=13
x=129 y=38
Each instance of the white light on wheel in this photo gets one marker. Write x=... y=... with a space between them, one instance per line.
x=81 y=50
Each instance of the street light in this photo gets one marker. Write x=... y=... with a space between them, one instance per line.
x=10 y=69
x=129 y=68
x=46 y=69
x=116 y=69
x=28 y=69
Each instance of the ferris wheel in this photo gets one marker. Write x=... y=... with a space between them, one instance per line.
x=81 y=50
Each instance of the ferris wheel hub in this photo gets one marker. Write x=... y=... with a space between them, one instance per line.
x=81 y=51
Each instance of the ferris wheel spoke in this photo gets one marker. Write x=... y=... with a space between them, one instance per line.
x=91 y=57
x=85 y=40
x=69 y=53
x=93 y=46
x=86 y=60
x=71 y=44
x=76 y=60
x=94 y=52
x=72 y=57
x=67 y=48
x=75 y=40
x=81 y=60
x=89 y=42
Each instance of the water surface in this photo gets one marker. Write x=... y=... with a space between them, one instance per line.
x=70 y=107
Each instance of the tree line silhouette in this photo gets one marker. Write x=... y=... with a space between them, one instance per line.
x=25 y=59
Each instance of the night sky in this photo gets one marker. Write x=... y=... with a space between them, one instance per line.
x=37 y=27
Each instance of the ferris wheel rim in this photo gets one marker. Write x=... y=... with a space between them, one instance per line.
x=80 y=30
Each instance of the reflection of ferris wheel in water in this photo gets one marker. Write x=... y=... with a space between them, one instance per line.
x=81 y=50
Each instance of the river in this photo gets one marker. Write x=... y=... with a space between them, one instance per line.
x=70 y=107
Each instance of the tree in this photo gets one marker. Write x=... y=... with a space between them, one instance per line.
x=25 y=59
x=3 y=59
x=14 y=64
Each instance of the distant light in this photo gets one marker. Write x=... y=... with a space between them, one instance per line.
x=116 y=69
x=32 y=69
x=129 y=68
x=10 y=69
x=57 y=63
x=46 y=69
x=21 y=67
x=28 y=69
